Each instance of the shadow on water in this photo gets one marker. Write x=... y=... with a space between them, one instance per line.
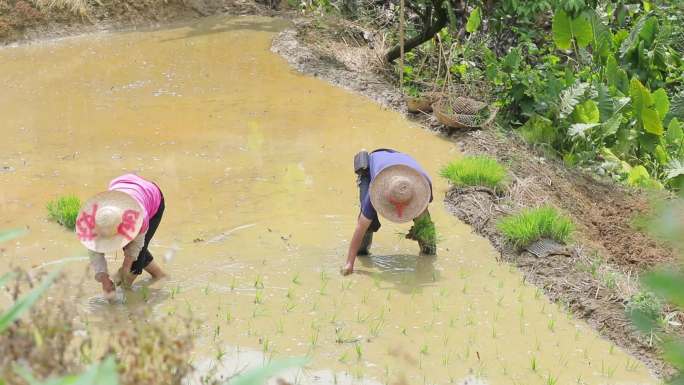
x=212 y=26
x=406 y=272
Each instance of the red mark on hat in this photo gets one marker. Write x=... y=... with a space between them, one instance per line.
x=85 y=225
x=399 y=206
x=127 y=224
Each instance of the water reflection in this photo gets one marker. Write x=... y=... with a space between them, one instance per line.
x=406 y=272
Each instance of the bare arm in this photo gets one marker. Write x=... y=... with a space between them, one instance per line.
x=362 y=226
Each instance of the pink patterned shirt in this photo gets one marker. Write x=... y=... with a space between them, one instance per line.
x=146 y=193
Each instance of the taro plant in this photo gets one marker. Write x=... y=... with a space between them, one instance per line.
x=64 y=210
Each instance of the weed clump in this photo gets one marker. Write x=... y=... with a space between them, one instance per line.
x=53 y=339
x=645 y=304
x=476 y=170
x=530 y=225
x=64 y=210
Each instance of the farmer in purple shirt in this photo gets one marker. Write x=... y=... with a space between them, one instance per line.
x=393 y=184
x=126 y=216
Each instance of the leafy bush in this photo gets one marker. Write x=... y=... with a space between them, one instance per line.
x=64 y=210
x=475 y=171
x=531 y=225
x=646 y=304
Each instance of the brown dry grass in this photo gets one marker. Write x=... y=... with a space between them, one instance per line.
x=79 y=7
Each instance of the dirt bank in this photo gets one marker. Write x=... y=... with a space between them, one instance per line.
x=22 y=20
x=600 y=274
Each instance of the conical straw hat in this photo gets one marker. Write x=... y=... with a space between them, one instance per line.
x=109 y=221
x=400 y=193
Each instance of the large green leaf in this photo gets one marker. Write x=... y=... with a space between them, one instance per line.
x=582 y=30
x=661 y=102
x=259 y=376
x=25 y=302
x=603 y=38
x=612 y=71
x=474 y=20
x=674 y=135
x=649 y=31
x=605 y=102
x=562 y=29
x=8 y=235
x=641 y=97
x=652 y=121
x=661 y=155
x=668 y=284
x=587 y=112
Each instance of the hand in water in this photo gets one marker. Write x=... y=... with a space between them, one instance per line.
x=347 y=269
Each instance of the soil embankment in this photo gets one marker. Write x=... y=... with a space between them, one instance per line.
x=23 y=20
x=595 y=281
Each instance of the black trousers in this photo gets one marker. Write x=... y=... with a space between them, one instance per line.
x=145 y=257
x=363 y=180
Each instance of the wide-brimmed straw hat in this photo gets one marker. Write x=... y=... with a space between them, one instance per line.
x=109 y=221
x=400 y=193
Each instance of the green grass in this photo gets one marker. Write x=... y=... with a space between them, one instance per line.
x=530 y=225
x=64 y=210
x=476 y=170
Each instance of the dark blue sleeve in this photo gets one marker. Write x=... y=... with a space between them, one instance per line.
x=367 y=208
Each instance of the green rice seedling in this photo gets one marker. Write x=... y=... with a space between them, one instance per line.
x=478 y=170
x=359 y=351
x=232 y=284
x=258 y=297
x=424 y=350
x=631 y=365
x=229 y=317
x=290 y=306
x=533 y=363
x=552 y=325
x=290 y=293
x=499 y=302
x=174 y=291
x=531 y=225
x=295 y=279
x=64 y=210
x=537 y=293
x=551 y=380
x=404 y=331
x=445 y=359
x=280 y=328
x=607 y=371
x=259 y=282
x=206 y=290
x=611 y=349
x=494 y=335
x=145 y=291
x=343 y=358
x=376 y=328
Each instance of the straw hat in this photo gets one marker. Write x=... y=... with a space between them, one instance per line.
x=109 y=221
x=400 y=193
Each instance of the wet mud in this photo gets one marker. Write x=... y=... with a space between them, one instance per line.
x=255 y=161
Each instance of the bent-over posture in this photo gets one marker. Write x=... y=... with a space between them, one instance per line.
x=126 y=217
x=394 y=185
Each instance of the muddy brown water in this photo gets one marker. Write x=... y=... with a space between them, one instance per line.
x=255 y=162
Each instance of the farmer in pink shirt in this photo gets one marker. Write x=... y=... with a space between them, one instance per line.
x=124 y=217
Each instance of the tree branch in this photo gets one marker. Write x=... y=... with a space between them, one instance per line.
x=430 y=29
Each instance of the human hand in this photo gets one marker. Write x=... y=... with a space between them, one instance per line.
x=347 y=269
x=107 y=286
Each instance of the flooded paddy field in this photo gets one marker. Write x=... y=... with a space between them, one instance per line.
x=255 y=163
